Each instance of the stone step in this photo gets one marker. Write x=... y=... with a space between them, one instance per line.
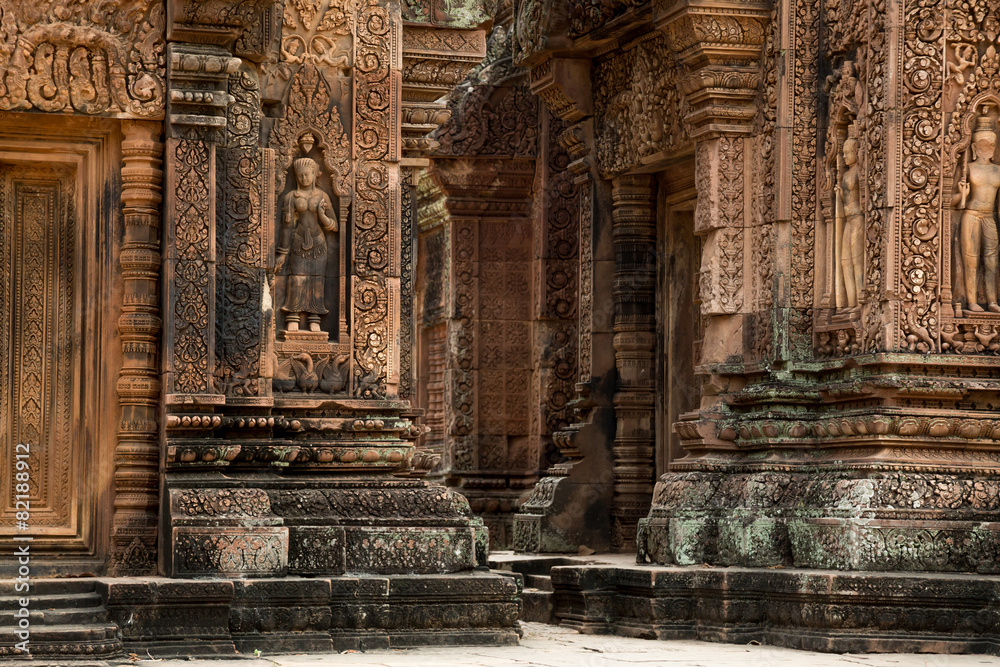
x=57 y=616
x=542 y=582
x=64 y=633
x=47 y=587
x=51 y=601
x=93 y=640
x=537 y=606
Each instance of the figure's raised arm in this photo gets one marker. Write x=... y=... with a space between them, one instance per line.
x=329 y=221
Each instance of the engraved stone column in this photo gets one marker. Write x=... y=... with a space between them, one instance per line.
x=634 y=232
x=133 y=533
x=721 y=90
x=198 y=80
x=245 y=217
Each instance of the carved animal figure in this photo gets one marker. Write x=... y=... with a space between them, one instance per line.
x=305 y=372
x=284 y=376
x=333 y=376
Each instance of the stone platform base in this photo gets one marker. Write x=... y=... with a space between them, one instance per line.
x=200 y=617
x=816 y=610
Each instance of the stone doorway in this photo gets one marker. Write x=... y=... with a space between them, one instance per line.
x=678 y=319
x=55 y=361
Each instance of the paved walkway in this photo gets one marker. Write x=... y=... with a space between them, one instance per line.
x=551 y=646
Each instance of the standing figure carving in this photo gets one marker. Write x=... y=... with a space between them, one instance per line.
x=307 y=215
x=977 y=191
x=852 y=245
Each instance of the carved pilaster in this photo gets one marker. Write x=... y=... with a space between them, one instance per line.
x=133 y=533
x=198 y=83
x=634 y=234
x=719 y=47
x=245 y=219
x=408 y=236
x=720 y=218
x=435 y=60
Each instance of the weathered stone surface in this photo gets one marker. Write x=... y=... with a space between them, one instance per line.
x=291 y=614
x=807 y=609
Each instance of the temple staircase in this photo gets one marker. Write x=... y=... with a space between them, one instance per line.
x=68 y=623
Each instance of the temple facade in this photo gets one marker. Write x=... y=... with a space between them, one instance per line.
x=308 y=305
x=718 y=280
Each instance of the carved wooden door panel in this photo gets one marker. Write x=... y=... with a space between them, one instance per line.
x=41 y=392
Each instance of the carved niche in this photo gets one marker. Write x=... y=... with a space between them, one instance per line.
x=843 y=238
x=100 y=58
x=314 y=186
x=964 y=186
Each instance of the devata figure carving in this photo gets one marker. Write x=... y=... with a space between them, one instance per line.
x=852 y=246
x=307 y=214
x=978 y=193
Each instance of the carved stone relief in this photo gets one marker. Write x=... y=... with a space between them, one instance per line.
x=636 y=93
x=313 y=185
x=98 y=58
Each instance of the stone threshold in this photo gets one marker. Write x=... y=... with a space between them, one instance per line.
x=161 y=617
x=808 y=609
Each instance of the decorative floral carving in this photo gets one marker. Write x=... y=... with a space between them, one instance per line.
x=491 y=121
x=636 y=93
x=587 y=16
x=191 y=159
x=377 y=34
x=101 y=58
x=243 y=235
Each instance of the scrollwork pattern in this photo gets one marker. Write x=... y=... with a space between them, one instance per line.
x=920 y=198
x=191 y=159
x=99 y=58
x=241 y=245
x=377 y=36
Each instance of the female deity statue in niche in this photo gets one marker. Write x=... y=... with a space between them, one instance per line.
x=977 y=194
x=307 y=215
x=852 y=245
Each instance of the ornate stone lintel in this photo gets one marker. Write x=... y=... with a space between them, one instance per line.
x=720 y=44
x=564 y=86
x=247 y=27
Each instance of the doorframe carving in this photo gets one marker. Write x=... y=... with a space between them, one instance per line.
x=91 y=147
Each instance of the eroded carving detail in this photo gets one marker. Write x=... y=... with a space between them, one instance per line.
x=103 y=58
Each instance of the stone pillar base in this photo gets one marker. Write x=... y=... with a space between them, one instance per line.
x=317 y=525
x=814 y=610
x=197 y=617
x=841 y=519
